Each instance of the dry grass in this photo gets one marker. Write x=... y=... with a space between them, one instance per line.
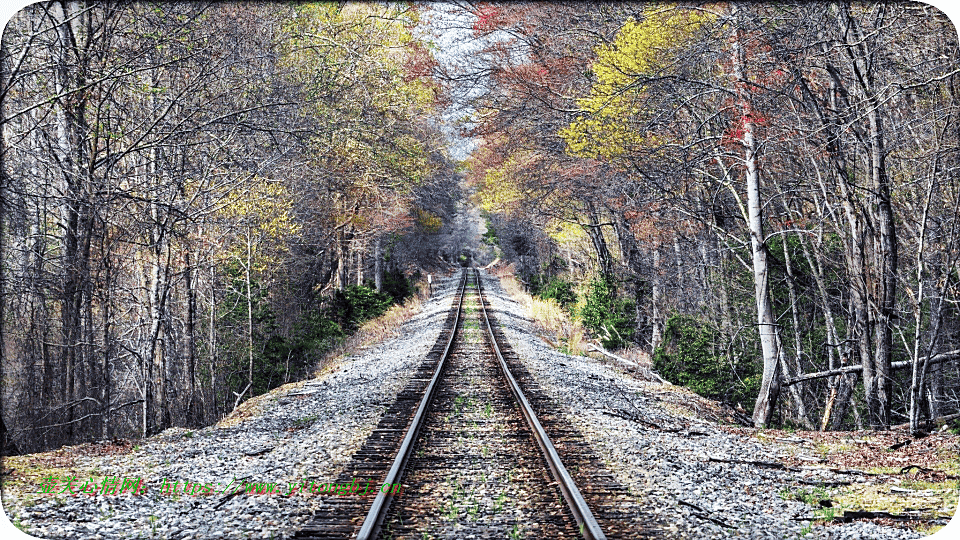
x=374 y=331
x=919 y=476
x=24 y=475
x=555 y=326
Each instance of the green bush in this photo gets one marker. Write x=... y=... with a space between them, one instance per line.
x=397 y=286
x=555 y=288
x=490 y=236
x=692 y=354
x=609 y=318
x=357 y=304
x=280 y=356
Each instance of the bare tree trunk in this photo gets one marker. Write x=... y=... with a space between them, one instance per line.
x=212 y=339
x=246 y=279
x=678 y=260
x=595 y=232
x=766 y=323
x=105 y=371
x=359 y=266
x=796 y=391
x=377 y=265
x=656 y=300
x=917 y=371
x=876 y=366
x=70 y=152
x=193 y=418
x=153 y=355
x=342 y=260
x=842 y=386
x=4 y=82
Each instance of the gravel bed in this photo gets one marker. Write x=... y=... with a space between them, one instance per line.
x=302 y=431
x=672 y=471
x=475 y=471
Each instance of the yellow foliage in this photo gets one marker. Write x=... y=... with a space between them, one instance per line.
x=566 y=233
x=499 y=189
x=614 y=106
x=427 y=221
x=262 y=208
x=351 y=64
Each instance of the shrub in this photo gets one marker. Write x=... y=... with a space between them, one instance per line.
x=490 y=236
x=397 y=286
x=692 y=355
x=608 y=317
x=357 y=304
x=556 y=289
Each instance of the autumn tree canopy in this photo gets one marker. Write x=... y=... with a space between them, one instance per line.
x=767 y=165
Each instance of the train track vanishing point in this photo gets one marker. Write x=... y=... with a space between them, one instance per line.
x=465 y=440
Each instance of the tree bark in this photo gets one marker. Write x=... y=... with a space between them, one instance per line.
x=766 y=323
x=796 y=391
x=656 y=300
x=876 y=372
x=377 y=265
x=193 y=418
x=595 y=232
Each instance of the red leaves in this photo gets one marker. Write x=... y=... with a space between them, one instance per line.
x=419 y=63
x=489 y=18
x=737 y=131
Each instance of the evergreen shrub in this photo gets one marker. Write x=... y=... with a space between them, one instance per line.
x=556 y=288
x=692 y=354
x=609 y=318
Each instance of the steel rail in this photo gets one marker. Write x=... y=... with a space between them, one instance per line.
x=381 y=504
x=589 y=527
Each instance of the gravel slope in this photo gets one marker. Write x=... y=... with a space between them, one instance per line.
x=302 y=431
x=671 y=470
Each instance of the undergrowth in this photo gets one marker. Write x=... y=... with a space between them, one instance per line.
x=375 y=330
x=559 y=329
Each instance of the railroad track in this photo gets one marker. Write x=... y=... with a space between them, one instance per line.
x=478 y=450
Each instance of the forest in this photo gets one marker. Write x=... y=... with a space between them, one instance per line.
x=199 y=200
x=762 y=195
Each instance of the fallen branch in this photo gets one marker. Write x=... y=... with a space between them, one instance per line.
x=919 y=469
x=851 y=515
x=634 y=418
x=936 y=359
x=637 y=416
x=849 y=471
x=702 y=514
x=741 y=418
x=630 y=363
x=764 y=464
x=924 y=470
x=935 y=421
x=899 y=445
x=223 y=500
x=825 y=483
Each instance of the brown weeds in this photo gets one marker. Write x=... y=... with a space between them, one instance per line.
x=556 y=327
